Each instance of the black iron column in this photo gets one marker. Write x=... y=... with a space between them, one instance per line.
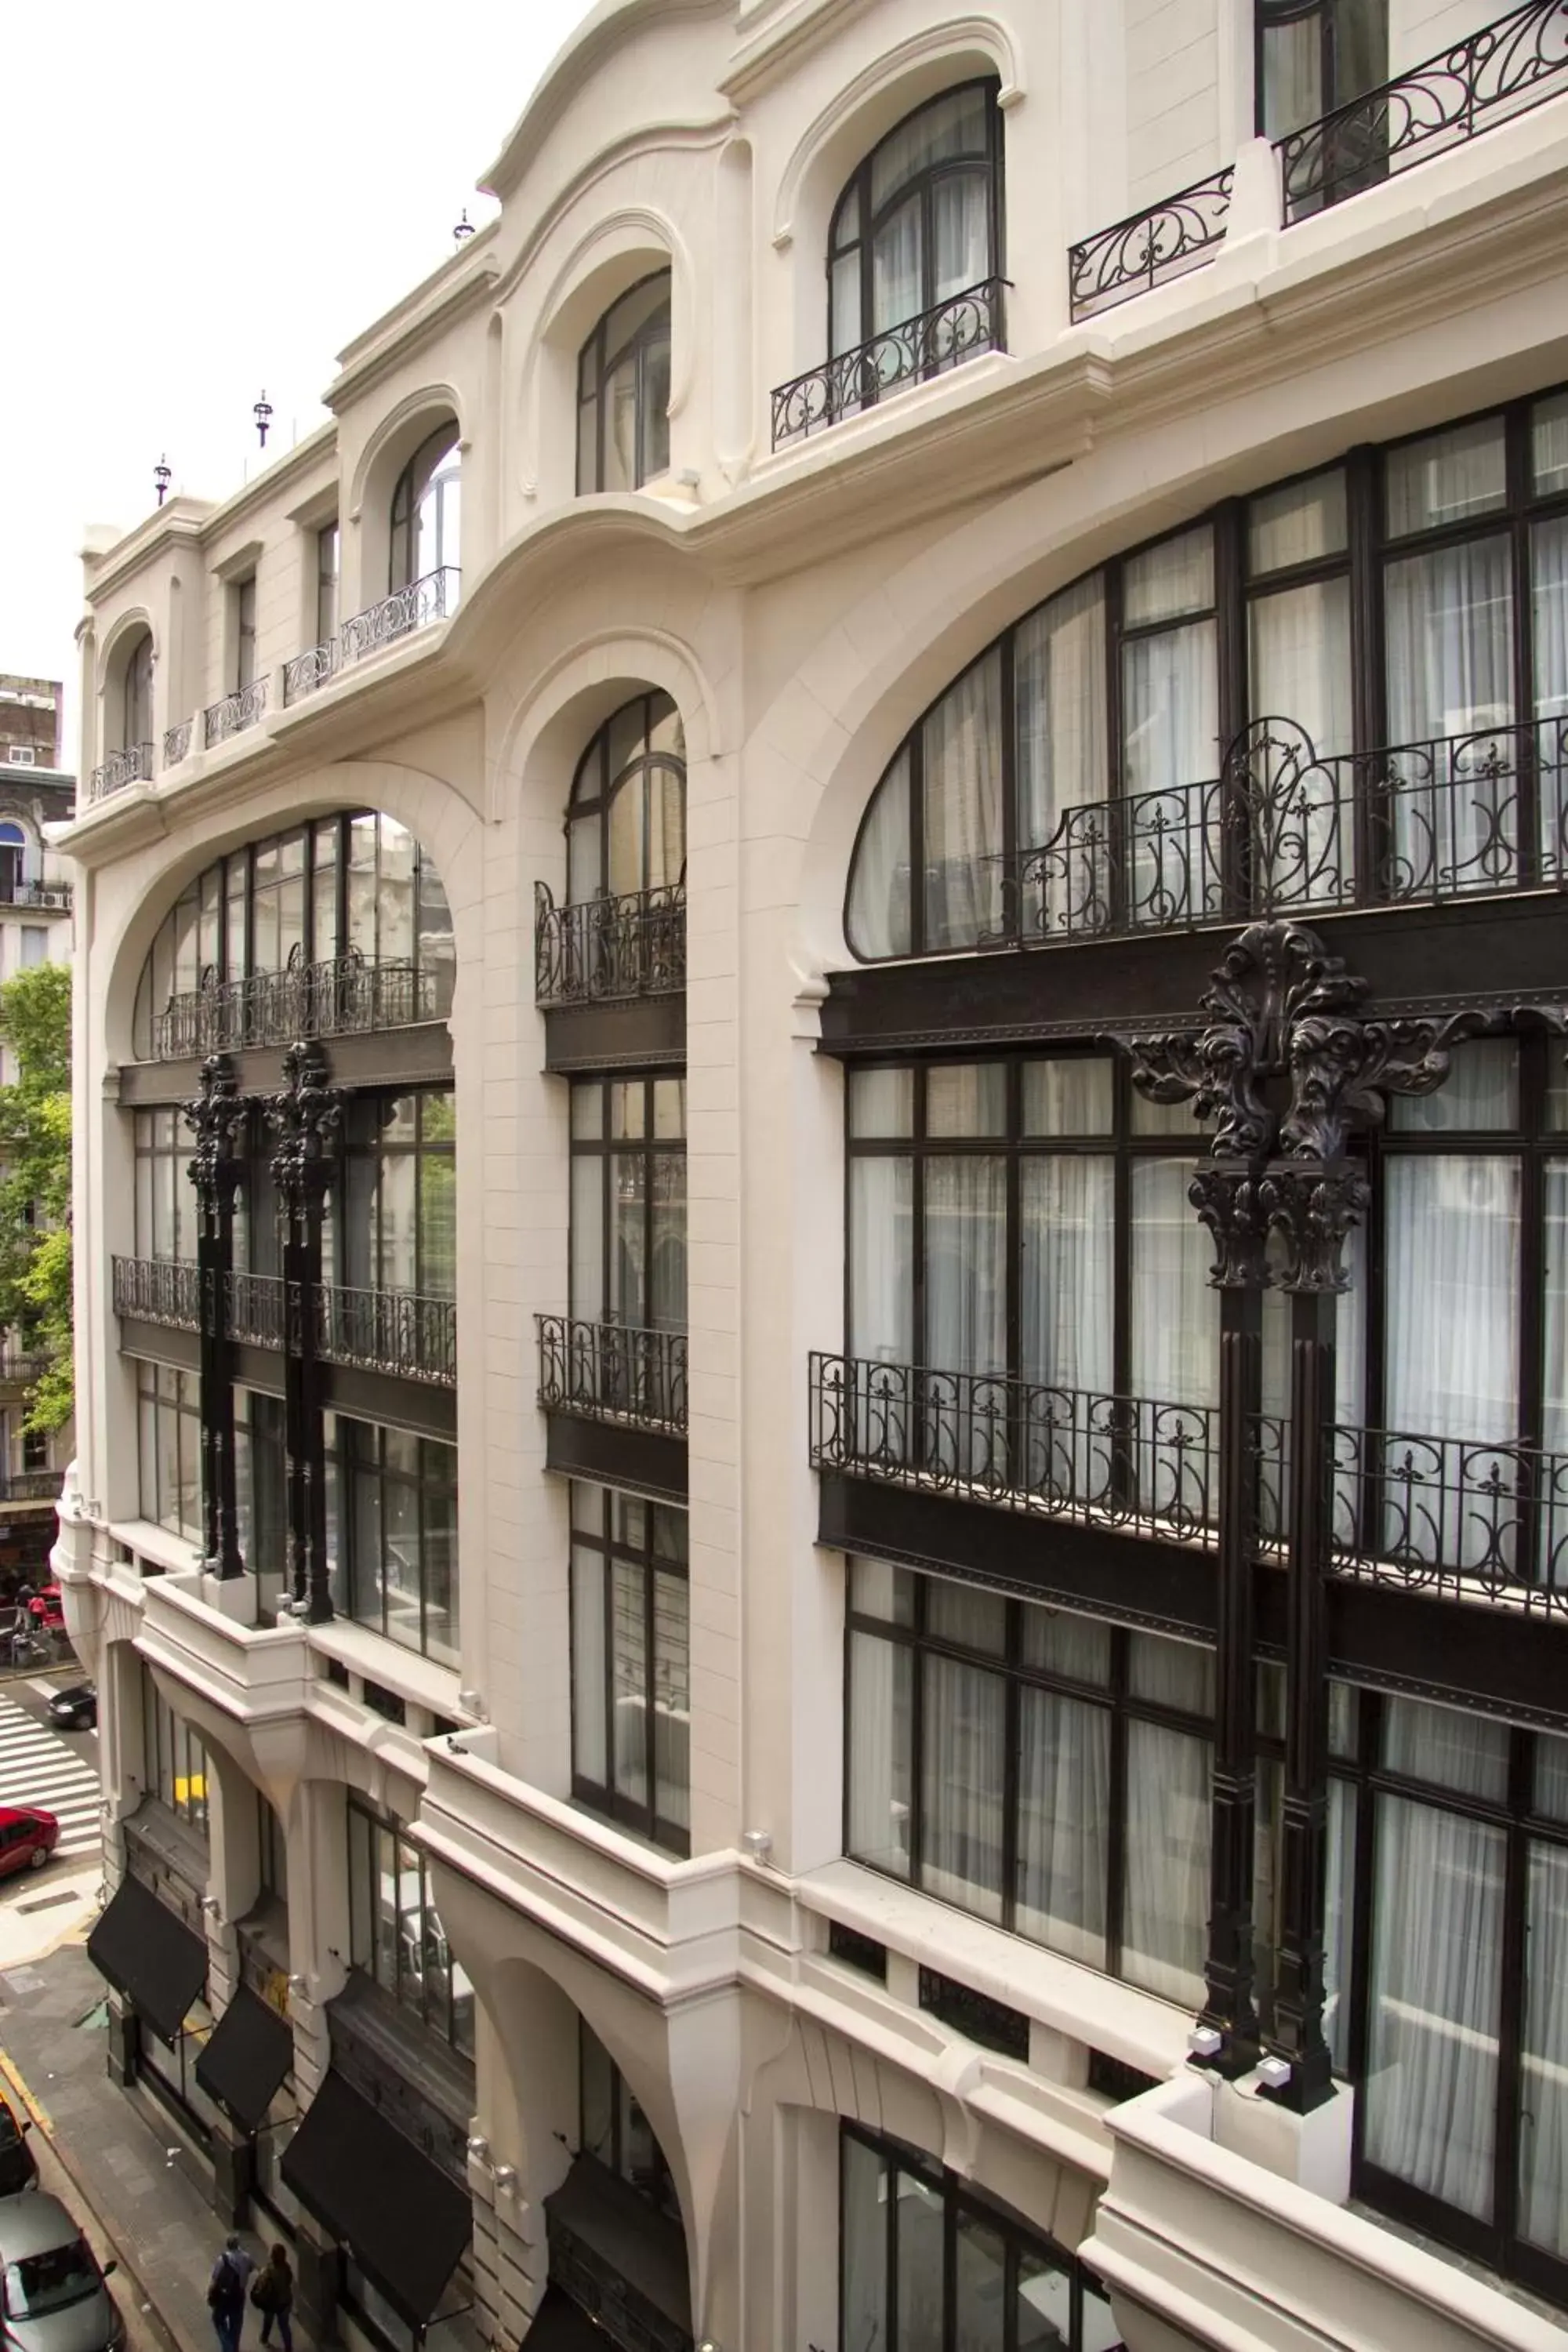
x=1228 y=2007
x=217 y=1118
x=306 y=1115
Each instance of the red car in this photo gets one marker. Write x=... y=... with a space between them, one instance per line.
x=27 y=1837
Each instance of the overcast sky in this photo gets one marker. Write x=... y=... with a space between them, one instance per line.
x=199 y=200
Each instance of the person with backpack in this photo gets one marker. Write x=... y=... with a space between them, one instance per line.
x=273 y=2296
x=226 y=2293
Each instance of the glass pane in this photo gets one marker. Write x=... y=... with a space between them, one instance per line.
x=1339 y=1929
x=980 y=2279
x=1430 y=2096
x=897 y=272
x=629 y=1683
x=961 y=217
x=866 y=2213
x=1292 y=76
x=1447 y=477
x=881 y=1259
x=881 y=1102
x=1067 y=1206
x=1172 y=738
x=962 y=1783
x=919 y=2241
x=1068 y=1098
x=1451 y=1278
x=954 y=124
x=1079 y=1647
x=878 y=913
x=1549 y=444
x=966 y=1277
x=960 y=1613
x=1173 y=578
x=1300 y=647
x=1059 y=697
x=1063 y=1787
x=1165 y=1889
x=1544 y=2118
x=1171 y=1673
x=672 y=1700
x=1175 y=1315
x=597 y=2077
x=1551 y=1776
x=1481 y=1090
x=1464 y=1752
x=878 y=1588
x=963 y=762
x=877 y=1764
x=1299 y=524
x=1549 y=602
x=843 y=299
x=966 y=1099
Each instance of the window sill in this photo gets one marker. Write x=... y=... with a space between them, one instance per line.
x=420 y=1682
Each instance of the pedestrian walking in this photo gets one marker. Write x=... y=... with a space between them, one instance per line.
x=273 y=2296
x=226 y=2293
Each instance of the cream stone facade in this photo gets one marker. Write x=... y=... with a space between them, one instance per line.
x=792 y=587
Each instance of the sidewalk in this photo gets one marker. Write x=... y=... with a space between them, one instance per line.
x=120 y=2169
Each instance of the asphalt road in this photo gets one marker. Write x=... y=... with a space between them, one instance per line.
x=57 y=1769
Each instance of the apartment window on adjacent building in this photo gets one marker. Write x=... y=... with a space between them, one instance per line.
x=13 y=857
x=35 y=945
x=174 y=1759
x=34 y=1449
x=242 y=607
x=21 y=755
x=929 y=2264
x=396 y=1936
x=169 y=1434
x=1316 y=54
x=631 y=1699
x=614 y=2130
x=326 y=564
x=392 y=1504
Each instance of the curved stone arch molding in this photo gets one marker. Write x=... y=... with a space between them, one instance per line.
x=934 y=42
x=655 y=657
x=643 y=144
x=125 y=626
x=432 y=399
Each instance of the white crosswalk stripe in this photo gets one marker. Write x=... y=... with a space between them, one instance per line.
x=39 y=1767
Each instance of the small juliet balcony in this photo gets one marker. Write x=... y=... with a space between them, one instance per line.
x=236 y=712
x=610 y=977
x=1166 y=240
x=928 y=345
x=433 y=597
x=616 y=1401
x=345 y=996
x=133 y=765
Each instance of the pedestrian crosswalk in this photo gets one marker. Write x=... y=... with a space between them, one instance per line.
x=39 y=1767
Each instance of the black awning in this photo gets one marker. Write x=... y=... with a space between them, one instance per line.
x=149 y=1956
x=403 y=2222
x=246 y=2058
x=559 y=2326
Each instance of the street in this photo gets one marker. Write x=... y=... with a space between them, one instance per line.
x=58 y=1770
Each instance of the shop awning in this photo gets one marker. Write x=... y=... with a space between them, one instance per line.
x=150 y=1955
x=559 y=2326
x=246 y=2057
x=403 y=2222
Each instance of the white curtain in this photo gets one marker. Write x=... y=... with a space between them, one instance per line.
x=1171 y=714
x=1064 y=1782
x=1063 y=759
x=880 y=896
x=863 y=2202
x=880 y=1717
x=1067 y=1203
x=961 y=212
x=1549 y=560
x=963 y=747
x=881 y=1259
x=1338 y=1924
x=962 y=1780
x=1304 y=832
x=966 y=1263
x=1166 y=1891
x=1176 y=1338
x=1448 y=620
x=1554 y=1353
x=1543 y=2134
x=896 y=275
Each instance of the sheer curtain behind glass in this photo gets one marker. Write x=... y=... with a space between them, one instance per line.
x=1171 y=726
x=1544 y=2120
x=963 y=747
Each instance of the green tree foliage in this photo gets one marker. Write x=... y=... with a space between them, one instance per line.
x=36 y=1181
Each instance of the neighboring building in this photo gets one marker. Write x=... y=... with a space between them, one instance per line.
x=36 y=790
x=858 y=1758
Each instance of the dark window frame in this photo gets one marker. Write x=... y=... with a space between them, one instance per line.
x=1271 y=15
x=610 y=1549
x=242 y=609
x=649 y=1150
x=425 y=471
x=136 y=692
x=595 y=790
x=856 y=192
x=154 y=1405
x=439 y=2017
x=660 y=2191
x=329 y=576
x=173 y=1752
x=356 y=1218
x=597 y=363
x=348 y=1463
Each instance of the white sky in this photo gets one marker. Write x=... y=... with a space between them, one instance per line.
x=198 y=199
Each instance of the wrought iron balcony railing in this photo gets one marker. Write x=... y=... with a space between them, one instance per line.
x=432 y=598
x=36 y=894
x=388 y=1331
x=1129 y=1462
x=253 y=1308
x=31 y=1487
x=610 y=1371
x=1134 y=255
x=14 y=1365
x=235 y=713
x=346 y=996
x=1453 y=1517
x=1504 y=69
x=1285 y=831
x=308 y=670
x=634 y=945
x=939 y=339
x=131 y=766
x=177 y=742
x=158 y=1290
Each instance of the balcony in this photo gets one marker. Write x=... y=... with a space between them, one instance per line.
x=158 y=1290
x=131 y=766
x=930 y=345
x=1513 y=64
x=1149 y=248
x=253 y=1308
x=177 y=742
x=346 y=996
x=432 y=598
x=388 y=1331
x=20 y=1370
x=235 y=713
x=613 y=1372
x=31 y=1487
x=1453 y=1517
x=606 y=949
x=1285 y=832
x=49 y=896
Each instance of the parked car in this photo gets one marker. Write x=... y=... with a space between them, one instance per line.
x=52 y=2290
x=75 y=1708
x=18 y=2165
x=27 y=1837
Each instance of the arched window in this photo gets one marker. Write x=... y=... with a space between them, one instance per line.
x=1316 y=54
x=13 y=851
x=623 y=392
x=425 y=510
x=625 y=827
x=136 y=694
x=921 y=221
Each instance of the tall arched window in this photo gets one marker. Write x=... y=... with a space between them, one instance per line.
x=425 y=510
x=921 y=221
x=1316 y=54
x=136 y=694
x=623 y=392
x=625 y=827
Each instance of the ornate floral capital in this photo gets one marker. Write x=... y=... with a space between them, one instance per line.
x=217 y=1118
x=1228 y=1204
x=306 y=1115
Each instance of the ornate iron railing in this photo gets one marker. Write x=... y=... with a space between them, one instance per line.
x=131 y=766
x=177 y=742
x=388 y=1331
x=922 y=347
x=432 y=598
x=1147 y=249
x=235 y=713
x=308 y=670
x=1451 y=1516
x=612 y=1372
x=634 y=945
x=158 y=1290
x=1503 y=69
x=36 y=894
x=1284 y=830
x=254 y=1309
x=344 y=996
x=17 y=1366
x=1072 y=1454
x=31 y=1487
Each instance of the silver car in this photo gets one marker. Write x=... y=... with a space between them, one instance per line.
x=52 y=2296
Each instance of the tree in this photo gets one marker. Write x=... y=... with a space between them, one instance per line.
x=35 y=1181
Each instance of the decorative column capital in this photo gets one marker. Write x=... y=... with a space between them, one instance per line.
x=218 y=1117
x=306 y=1114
